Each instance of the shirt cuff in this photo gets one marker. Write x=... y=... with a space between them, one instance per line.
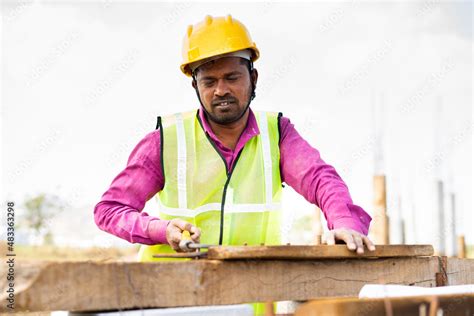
x=358 y=221
x=157 y=231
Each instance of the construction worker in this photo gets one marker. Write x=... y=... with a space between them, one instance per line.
x=217 y=171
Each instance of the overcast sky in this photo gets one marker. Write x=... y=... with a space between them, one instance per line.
x=83 y=82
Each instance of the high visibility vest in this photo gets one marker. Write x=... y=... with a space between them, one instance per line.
x=231 y=207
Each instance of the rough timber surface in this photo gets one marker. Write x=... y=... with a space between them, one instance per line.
x=315 y=252
x=94 y=286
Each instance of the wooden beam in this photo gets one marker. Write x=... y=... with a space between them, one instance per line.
x=459 y=271
x=93 y=286
x=315 y=252
x=450 y=304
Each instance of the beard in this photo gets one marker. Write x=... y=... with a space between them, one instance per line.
x=229 y=113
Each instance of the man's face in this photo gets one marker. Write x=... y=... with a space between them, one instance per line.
x=225 y=88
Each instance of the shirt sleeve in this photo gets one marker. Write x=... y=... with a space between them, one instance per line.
x=120 y=211
x=304 y=170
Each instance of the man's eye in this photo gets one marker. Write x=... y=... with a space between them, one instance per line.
x=233 y=78
x=208 y=83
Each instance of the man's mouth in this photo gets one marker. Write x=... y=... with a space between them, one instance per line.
x=223 y=103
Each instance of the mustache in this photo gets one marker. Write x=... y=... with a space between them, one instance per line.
x=224 y=99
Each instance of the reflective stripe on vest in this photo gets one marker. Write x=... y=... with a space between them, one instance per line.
x=231 y=208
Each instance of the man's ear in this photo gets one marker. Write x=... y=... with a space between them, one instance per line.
x=254 y=76
x=194 y=84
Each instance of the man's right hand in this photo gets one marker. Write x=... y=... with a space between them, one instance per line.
x=174 y=230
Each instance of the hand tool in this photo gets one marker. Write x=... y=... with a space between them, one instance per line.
x=190 y=248
x=187 y=244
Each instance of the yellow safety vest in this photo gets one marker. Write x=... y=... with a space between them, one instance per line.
x=236 y=207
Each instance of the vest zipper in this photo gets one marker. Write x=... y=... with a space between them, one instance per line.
x=229 y=175
x=224 y=193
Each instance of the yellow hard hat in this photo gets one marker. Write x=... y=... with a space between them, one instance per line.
x=215 y=36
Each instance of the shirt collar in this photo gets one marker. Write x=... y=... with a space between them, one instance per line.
x=250 y=130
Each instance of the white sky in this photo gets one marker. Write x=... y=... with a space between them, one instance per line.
x=83 y=82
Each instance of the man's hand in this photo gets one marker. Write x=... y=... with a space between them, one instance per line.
x=175 y=229
x=353 y=239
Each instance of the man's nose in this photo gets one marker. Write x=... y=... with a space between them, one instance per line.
x=221 y=88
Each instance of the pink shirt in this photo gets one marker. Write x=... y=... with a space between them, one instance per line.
x=120 y=211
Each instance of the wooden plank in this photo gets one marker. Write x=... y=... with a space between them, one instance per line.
x=315 y=252
x=450 y=304
x=460 y=271
x=89 y=286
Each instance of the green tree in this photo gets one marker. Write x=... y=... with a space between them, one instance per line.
x=40 y=210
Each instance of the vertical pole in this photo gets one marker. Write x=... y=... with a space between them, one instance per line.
x=401 y=222
x=403 y=231
x=461 y=247
x=440 y=238
x=397 y=223
x=439 y=218
x=318 y=227
x=412 y=225
x=451 y=243
x=380 y=224
x=380 y=228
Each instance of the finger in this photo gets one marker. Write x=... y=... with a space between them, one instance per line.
x=183 y=225
x=370 y=245
x=359 y=244
x=189 y=227
x=173 y=234
x=196 y=234
x=173 y=242
x=330 y=238
x=347 y=238
x=176 y=237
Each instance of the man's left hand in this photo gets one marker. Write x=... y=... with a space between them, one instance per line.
x=353 y=239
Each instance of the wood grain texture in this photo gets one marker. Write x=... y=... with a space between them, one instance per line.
x=450 y=304
x=460 y=271
x=315 y=252
x=91 y=286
